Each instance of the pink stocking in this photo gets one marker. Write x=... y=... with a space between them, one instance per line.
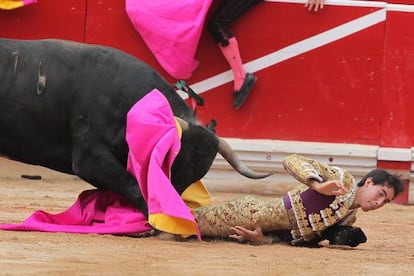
x=232 y=55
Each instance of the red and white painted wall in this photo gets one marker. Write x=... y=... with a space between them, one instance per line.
x=336 y=84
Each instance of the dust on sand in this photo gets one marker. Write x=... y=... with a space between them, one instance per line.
x=389 y=250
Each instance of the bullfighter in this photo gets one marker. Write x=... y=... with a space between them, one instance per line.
x=327 y=196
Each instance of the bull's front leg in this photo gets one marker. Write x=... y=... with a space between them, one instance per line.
x=98 y=166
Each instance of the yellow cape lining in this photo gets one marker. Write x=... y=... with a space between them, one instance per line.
x=10 y=4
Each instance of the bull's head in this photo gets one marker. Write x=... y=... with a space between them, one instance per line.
x=199 y=147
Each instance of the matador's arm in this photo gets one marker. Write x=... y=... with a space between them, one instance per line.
x=311 y=172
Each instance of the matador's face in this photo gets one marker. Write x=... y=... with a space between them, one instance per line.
x=371 y=197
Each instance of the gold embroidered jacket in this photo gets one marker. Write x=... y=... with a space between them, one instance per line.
x=303 y=211
x=311 y=212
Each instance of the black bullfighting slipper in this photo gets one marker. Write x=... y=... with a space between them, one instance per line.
x=241 y=95
x=344 y=235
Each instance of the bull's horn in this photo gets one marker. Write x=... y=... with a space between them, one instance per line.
x=183 y=124
x=228 y=153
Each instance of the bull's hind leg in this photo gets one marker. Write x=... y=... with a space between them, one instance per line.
x=98 y=166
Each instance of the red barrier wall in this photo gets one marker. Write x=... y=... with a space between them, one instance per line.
x=319 y=95
x=46 y=19
x=398 y=109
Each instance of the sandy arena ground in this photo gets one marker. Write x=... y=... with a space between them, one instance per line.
x=389 y=250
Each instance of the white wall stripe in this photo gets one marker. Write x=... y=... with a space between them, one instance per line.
x=317 y=41
x=267 y=155
x=395 y=154
x=295 y=49
x=402 y=8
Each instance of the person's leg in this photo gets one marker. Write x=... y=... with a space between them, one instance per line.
x=219 y=27
x=232 y=55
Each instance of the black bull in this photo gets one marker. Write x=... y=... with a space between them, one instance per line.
x=63 y=105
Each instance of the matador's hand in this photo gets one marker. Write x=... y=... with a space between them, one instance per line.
x=331 y=187
x=255 y=236
x=314 y=5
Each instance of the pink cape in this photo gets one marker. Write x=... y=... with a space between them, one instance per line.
x=27 y=2
x=153 y=142
x=171 y=30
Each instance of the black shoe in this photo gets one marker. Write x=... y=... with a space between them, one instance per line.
x=241 y=95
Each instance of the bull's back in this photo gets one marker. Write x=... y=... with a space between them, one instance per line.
x=33 y=119
x=53 y=92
